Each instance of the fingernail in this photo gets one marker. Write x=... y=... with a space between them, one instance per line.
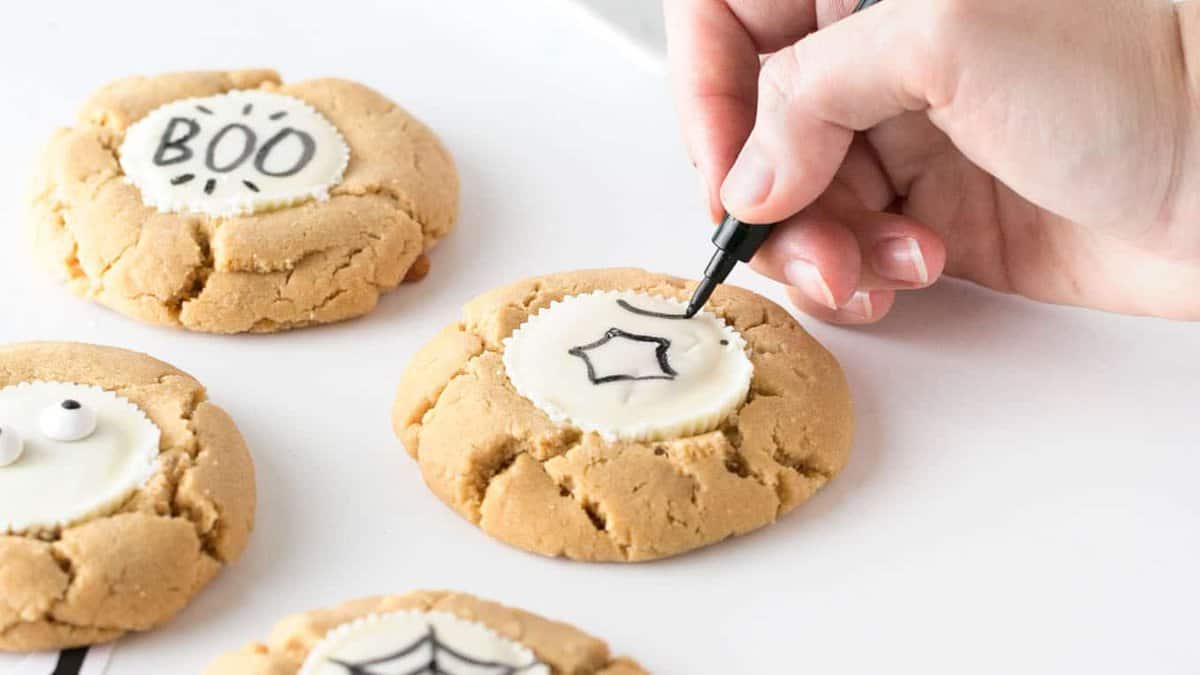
x=901 y=260
x=860 y=305
x=749 y=181
x=806 y=277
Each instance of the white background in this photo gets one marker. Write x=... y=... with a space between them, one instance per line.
x=1023 y=494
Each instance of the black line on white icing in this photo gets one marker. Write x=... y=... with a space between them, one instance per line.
x=660 y=353
x=645 y=312
x=249 y=140
x=168 y=142
x=434 y=666
x=306 y=154
x=174 y=147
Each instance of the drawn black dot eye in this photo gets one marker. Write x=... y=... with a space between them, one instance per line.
x=724 y=343
x=69 y=420
x=11 y=445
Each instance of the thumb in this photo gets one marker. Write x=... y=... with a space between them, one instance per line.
x=813 y=96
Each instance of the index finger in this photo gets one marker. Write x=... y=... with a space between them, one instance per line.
x=713 y=54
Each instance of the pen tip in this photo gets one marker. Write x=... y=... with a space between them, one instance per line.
x=704 y=291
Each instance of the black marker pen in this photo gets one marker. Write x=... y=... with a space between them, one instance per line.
x=736 y=241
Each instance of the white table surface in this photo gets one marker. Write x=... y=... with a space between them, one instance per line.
x=1023 y=493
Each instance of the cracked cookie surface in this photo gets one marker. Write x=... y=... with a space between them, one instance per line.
x=503 y=464
x=567 y=650
x=133 y=567
x=316 y=262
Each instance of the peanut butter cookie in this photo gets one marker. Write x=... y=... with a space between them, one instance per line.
x=230 y=201
x=580 y=415
x=123 y=491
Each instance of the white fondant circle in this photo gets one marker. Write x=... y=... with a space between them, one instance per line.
x=705 y=375
x=412 y=641
x=57 y=483
x=234 y=153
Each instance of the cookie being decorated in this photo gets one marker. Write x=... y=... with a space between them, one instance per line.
x=648 y=372
x=230 y=201
x=123 y=491
x=423 y=632
x=581 y=415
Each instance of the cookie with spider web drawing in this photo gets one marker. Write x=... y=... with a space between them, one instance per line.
x=231 y=201
x=582 y=415
x=423 y=633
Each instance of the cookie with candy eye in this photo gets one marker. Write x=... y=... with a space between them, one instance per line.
x=123 y=491
x=231 y=201
x=581 y=415
x=423 y=632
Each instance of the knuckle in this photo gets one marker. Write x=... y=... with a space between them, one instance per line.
x=947 y=19
x=784 y=79
x=946 y=39
x=774 y=80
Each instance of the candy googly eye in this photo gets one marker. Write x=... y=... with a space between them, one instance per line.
x=11 y=445
x=70 y=420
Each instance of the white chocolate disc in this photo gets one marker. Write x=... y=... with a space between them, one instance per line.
x=412 y=641
x=57 y=483
x=233 y=153
x=628 y=366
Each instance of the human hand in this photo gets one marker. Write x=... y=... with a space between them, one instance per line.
x=1041 y=148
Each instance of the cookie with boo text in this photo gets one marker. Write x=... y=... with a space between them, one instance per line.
x=230 y=201
x=581 y=415
x=123 y=492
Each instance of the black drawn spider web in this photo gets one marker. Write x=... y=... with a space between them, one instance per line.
x=433 y=666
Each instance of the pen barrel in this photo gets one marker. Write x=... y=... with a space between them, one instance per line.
x=740 y=240
x=719 y=266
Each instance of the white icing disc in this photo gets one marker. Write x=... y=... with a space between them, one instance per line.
x=628 y=366
x=419 y=642
x=234 y=153
x=57 y=483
